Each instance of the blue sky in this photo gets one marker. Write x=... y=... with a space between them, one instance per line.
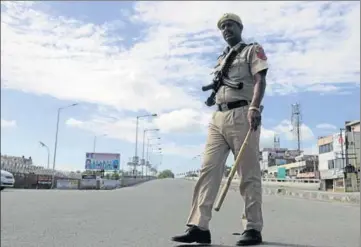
x=123 y=59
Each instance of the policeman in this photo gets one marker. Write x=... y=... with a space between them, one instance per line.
x=238 y=110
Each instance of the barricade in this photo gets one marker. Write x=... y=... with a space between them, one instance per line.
x=67 y=184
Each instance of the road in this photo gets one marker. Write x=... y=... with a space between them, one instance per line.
x=147 y=215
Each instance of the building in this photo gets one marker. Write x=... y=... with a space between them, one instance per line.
x=339 y=159
x=331 y=160
x=353 y=125
x=304 y=167
x=274 y=157
x=352 y=144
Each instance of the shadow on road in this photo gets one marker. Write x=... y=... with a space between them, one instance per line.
x=277 y=244
x=201 y=245
x=270 y=244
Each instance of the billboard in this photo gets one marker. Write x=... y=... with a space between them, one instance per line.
x=281 y=173
x=102 y=161
x=339 y=142
x=280 y=162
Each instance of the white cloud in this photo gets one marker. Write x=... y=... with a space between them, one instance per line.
x=74 y=122
x=183 y=121
x=312 y=150
x=323 y=88
x=52 y=54
x=326 y=126
x=8 y=123
x=194 y=124
x=286 y=128
x=163 y=71
x=124 y=129
x=120 y=129
x=266 y=139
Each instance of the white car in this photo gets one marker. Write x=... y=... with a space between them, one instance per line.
x=7 y=180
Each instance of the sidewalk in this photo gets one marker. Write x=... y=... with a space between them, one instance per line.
x=352 y=197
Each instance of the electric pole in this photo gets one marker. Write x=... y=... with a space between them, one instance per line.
x=296 y=123
x=341 y=140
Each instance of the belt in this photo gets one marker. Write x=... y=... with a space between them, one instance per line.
x=232 y=105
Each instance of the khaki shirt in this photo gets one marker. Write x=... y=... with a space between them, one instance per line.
x=241 y=71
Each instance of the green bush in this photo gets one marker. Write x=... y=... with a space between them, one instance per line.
x=166 y=174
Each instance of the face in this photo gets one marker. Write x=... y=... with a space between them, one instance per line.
x=231 y=32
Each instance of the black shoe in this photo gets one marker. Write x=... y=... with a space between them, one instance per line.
x=194 y=235
x=250 y=237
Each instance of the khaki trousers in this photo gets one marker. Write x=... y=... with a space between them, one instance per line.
x=226 y=132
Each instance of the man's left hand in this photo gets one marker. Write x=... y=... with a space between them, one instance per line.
x=254 y=119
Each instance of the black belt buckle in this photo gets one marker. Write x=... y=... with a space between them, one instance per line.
x=231 y=105
x=223 y=107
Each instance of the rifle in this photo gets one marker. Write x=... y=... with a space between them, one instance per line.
x=219 y=80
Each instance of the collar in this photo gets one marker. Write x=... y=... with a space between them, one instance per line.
x=236 y=47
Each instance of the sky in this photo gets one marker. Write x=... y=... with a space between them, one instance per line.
x=119 y=60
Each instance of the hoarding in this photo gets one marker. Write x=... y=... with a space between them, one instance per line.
x=280 y=162
x=102 y=161
x=339 y=142
x=281 y=173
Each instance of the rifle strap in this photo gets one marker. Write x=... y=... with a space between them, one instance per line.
x=230 y=58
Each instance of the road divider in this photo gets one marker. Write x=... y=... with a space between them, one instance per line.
x=100 y=184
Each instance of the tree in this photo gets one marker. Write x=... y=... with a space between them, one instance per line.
x=166 y=174
x=115 y=175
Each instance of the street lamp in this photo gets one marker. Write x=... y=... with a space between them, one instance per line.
x=143 y=161
x=159 y=154
x=135 y=159
x=147 y=160
x=56 y=139
x=47 y=148
x=95 y=141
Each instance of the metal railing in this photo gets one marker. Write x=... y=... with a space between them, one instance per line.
x=276 y=180
x=309 y=180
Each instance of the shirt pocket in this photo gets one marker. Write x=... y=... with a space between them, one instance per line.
x=238 y=61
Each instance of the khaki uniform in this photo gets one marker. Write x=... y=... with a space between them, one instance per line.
x=226 y=133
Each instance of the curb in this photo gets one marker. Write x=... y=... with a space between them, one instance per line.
x=352 y=198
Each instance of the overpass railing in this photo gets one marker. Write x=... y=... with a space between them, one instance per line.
x=291 y=180
x=276 y=180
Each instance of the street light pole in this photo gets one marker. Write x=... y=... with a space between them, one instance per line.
x=136 y=142
x=144 y=133
x=148 y=160
x=47 y=148
x=135 y=159
x=147 y=156
x=56 y=141
x=55 y=147
x=158 y=162
x=95 y=142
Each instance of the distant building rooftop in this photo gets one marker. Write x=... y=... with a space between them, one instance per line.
x=352 y=123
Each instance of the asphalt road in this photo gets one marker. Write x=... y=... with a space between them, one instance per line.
x=147 y=215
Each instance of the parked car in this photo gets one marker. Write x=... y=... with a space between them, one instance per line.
x=7 y=180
